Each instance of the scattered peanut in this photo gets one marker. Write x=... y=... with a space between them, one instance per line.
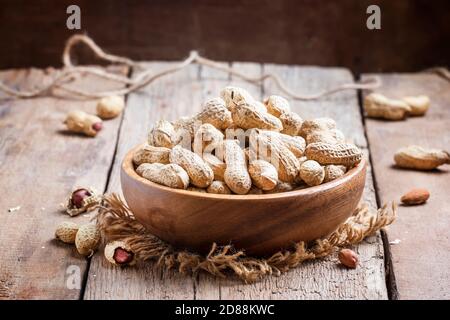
x=312 y=173
x=78 y=197
x=82 y=200
x=119 y=253
x=419 y=104
x=82 y=122
x=66 y=232
x=263 y=174
x=419 y=158
x=170 y=175
x=218 y=187
x=348 y=258
x=236 y=175
x=87 y=239
x=199 y=172
x=378 y=106
x=415 y=196
x=110 y=107
x=346 y=154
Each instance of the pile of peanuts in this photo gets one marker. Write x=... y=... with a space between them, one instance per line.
x=238 y=145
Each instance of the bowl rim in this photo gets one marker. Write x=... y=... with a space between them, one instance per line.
x=128 y=169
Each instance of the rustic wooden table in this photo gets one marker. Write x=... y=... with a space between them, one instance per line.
x=40 y=163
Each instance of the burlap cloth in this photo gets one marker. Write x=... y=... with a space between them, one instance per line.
x=116 y=222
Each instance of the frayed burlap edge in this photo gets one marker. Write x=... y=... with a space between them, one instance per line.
x=116 y=222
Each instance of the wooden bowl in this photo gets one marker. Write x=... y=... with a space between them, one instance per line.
x=259 y=224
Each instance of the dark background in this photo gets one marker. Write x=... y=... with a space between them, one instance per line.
x=415 y=34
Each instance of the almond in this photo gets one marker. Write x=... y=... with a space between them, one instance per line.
x=415 y=196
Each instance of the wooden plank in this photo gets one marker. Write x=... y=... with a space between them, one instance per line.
x=168 y=98
x=213 y=81
x=234 y=30
x=323 y=279
x=422 y=257
x=39 y=165
x=314 y=280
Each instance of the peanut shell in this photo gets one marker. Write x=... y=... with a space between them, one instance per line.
x=82 y=122
x=217 y=166
x=216 y=113
x=346 y=154
x=110 y=107
x=234 y=96
x=151 y=154
x=272 y=149
x=87 y=239
x=162 y=135
x=246 y=116
x=110 y=253
x=333 y=172
x=206 y=139
x=312 y=173
x=419 y=158
x=378 y=106
x=292 y=123
x=218 y=187
x=277 y=105
x=66 y=232
x=170 y=175
x=236 y=175
x=419 y=104
x=200 y=174
x=317 y=124
x=263 y=174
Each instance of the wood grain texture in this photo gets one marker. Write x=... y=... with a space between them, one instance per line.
x=325 y=33
x=323 y=279
x=181 y=94
x=422 y=257
x=40 y=163
x=169 y=98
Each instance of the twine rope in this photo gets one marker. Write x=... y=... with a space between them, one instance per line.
x=147 y=76
x=116 y=222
